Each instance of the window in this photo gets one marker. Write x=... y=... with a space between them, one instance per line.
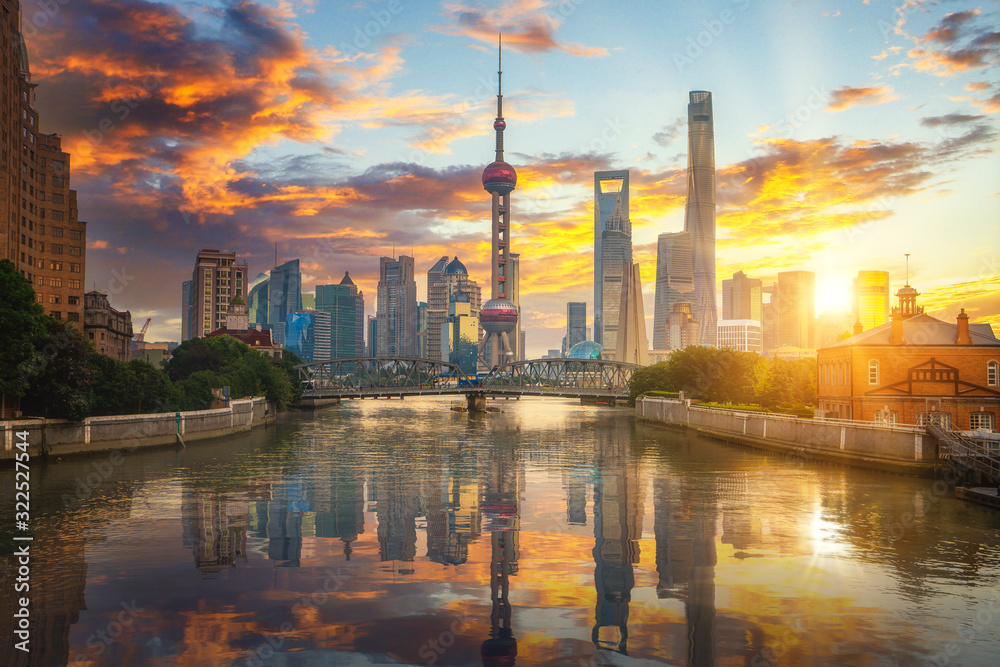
x=57 y=215
x=74 y=268
x=40 y=281
x=873 y=372
x=73 y=317
x=56 y=249
x=73 y=300
x=75 y=234
x=886 y=416
x=56 y=314
x=56 y=231
x=41 y=246
x=75 y=251
x=55 y=282
x=74 y=284
x=54 y=298
x=41 y=229
x=55 y=266
x=992 y=373
x=57 y=198
x=978 y=420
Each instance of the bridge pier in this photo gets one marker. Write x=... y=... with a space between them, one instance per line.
x=477 y=402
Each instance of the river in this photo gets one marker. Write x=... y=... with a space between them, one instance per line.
x=551 y=533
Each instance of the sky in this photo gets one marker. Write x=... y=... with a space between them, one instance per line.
x=847 y=133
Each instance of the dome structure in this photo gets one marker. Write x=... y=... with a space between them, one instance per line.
x=499 y=178
x=498 y=316
x=456 y=267
x=585 y=349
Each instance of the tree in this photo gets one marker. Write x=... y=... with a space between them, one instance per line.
x=62 y=375
x=24 y=326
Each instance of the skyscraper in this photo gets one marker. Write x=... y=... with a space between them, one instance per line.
x=284 y=296
x=308 y=334
x=499 y=315
x=346 y=306
x=442 y=287
x=631 y=346
x=216 y=279
x=674 y=281
x=616 y=253
x=610 y=193
x=576 y=325
x=699 y=213
x=796 y=308
x=257 y=301
x=396 y=308
x=871 y=299
x=459 y=335
x=742 y=298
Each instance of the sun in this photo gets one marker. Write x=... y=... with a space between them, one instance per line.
x=832 y=295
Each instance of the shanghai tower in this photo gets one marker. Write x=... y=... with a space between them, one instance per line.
x=699 y=214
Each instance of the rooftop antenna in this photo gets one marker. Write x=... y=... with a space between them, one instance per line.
x=907 y=268
x=275 y=254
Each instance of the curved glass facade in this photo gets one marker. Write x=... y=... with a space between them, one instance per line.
x=587 y=349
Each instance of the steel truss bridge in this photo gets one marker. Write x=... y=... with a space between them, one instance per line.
x=377 y=377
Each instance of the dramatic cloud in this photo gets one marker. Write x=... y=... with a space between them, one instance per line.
x=949 y=119
x=946 y=32
x=848 y=96
x=670 y=132
x=528 y=26
x=957 y=44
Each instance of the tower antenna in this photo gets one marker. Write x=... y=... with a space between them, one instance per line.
x=907 y=268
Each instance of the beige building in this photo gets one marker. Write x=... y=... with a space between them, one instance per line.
x=108 y=329
x=216 y=280
x=39 y=228
x=444 y=284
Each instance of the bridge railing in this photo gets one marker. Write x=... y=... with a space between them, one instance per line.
x=592 y=376
x=361 y=373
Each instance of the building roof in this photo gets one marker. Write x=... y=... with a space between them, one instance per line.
x=586 y=349
x=346 y=280
x=922 y=329
x=456 y=267
x=251 y=337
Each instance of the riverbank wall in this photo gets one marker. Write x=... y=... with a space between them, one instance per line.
x=51 y=437
x=896 y=448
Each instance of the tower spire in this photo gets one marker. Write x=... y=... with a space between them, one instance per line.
x=499 y=125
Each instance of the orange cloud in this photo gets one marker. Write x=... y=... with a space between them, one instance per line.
x=848 y=96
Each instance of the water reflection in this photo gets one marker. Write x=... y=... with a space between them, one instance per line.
x=551 y=534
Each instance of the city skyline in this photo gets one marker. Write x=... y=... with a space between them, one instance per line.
x=348 y=145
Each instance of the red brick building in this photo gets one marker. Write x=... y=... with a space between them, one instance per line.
x=911 y=367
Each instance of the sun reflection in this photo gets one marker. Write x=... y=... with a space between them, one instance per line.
x=825 y=536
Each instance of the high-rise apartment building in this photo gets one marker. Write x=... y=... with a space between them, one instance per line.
x=346 y=305
x=187 y=309
x=743 y=335
x=610 y=251
x=576 y=325
x=372 y=336
x=871 y=299
x=699 y=213
x=682 y=327
x=284 y=297
x=796 y=308
x=674 y=281
x=217 y=278
x=396 y=308
x=443 y=285
x=40 y=231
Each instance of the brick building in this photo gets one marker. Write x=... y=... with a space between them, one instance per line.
x=911 y=367
x=108 y=329
x=39 y=228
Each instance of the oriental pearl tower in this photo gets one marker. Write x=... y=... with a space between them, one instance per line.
x=498 y=316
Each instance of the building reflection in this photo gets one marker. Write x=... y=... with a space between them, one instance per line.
x=504 y=480
x=617 y=528
x=453 y=515
x=397 y=505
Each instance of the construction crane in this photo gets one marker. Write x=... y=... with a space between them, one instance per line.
x=142 y=334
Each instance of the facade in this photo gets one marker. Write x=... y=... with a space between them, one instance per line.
x=459 y=335
x=216 y=280
x=40 y=231
x=699 y=213
x=674 y=280
x=108 y=329
x=742 y=335
x=742 y=298
x=769 y=318
x=796 y=309
x=514 y=294
x=308 y=334
x=422 y=329
x=372 y=336
x=631 y=343
x=396 y=308
x=871 y=299
x=442 y=288
x=187 y=309
x=682 y=327
x=611 y=190
x=616 y=254
x=576 y=325
x=284 y=297
x=257 y=301
x=912 y=369
x=346 y=305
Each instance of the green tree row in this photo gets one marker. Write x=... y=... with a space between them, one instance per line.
x=729 y=376
x=57 y=373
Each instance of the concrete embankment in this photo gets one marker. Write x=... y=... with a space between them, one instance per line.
x=897 y=448
x=52 y=437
